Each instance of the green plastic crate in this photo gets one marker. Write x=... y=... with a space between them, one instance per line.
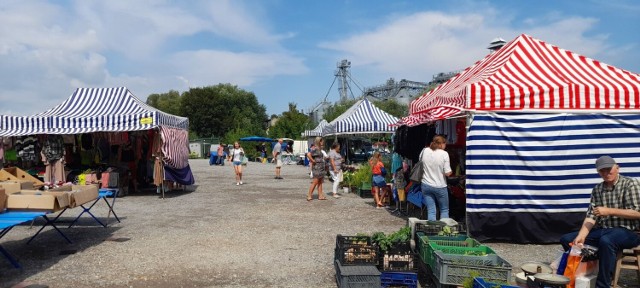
x=449 y=244
x=453 y=269
x=420 y=235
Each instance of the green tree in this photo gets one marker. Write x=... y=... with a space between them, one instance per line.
x=290 y=124
x=392 y=107
x=337 y=109
x=217 y=110
x=166 y=102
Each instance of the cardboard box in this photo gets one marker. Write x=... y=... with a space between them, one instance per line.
x=3 y=200
x=10 y=186
x=38 y=200
x=23 y=184
x=79 y=194
x=15 y=173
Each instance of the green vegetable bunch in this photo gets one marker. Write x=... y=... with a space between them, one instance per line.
x=385 y=242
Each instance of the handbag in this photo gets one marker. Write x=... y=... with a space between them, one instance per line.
x=417 y=171
x=383 y=172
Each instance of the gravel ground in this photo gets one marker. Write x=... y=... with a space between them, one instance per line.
x=216 y=234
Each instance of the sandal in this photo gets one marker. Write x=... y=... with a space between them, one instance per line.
x=309 y=199
x=323 y=198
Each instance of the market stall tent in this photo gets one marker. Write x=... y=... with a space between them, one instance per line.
x=538 y=117
x=361 y=118
x=110 y=110
x=316 y=131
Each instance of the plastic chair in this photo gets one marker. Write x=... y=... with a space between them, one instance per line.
x=627 y=259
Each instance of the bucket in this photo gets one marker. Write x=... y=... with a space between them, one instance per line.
x=345 y=190
x=521 y=280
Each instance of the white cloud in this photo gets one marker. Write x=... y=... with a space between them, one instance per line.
x=419 y=45
x=48 y=50
x=207 y=67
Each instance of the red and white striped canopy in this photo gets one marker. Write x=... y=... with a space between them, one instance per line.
x=530 y=75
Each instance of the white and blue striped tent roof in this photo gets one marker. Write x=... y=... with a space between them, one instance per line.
x=93 y=110
x=362 y=118
x=316 y=131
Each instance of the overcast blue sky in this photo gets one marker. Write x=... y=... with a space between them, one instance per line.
x=283 y=51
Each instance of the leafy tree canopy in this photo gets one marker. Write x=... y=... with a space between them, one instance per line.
x=392 y=107
x=218 y=110
x=290 y=124
x=166 y=102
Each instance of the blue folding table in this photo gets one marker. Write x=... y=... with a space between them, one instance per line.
x=103 y=193
x=10 y=219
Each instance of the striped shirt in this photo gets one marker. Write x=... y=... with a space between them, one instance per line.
x=625 y=194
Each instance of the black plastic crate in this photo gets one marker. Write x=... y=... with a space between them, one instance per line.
x=398 y=258
x=355 y=250
x=433 y=228
x=364 y=276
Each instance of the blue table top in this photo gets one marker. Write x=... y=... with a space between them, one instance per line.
x=21 y=214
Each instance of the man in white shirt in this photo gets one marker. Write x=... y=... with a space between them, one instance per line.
x=277 y=157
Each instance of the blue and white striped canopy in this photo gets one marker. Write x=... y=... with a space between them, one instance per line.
x=93 y=110
x=316 y=131
x=362 y=118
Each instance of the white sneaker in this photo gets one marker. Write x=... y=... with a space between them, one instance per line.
x=237 y=183
x=241 y=183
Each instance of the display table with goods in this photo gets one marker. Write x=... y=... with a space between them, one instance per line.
x=19 y=206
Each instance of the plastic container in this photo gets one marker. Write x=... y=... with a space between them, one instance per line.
x=453 y=269
x=398 y=258
x=395 y=279
x=451 y=246
x=355 y=250
x=360 y=276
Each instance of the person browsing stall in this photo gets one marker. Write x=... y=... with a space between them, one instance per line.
x=235 y=157
x=612 y=217
x=437 y=167
x=377 y=181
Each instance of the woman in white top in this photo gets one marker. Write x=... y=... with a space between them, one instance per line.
x=235 y=156
x=335 y=167
x=437 y=167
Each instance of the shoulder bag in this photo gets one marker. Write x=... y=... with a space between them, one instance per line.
x=417 y=171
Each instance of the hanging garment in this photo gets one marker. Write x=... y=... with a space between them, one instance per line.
x=53 y=148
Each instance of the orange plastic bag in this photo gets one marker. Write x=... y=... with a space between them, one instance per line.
x=573 y=261
x=575 y=267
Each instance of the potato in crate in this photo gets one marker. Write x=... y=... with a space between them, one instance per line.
x=398 y=258
x=355 y=250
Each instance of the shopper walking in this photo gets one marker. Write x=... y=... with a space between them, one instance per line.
x=335 y=167
x=317 y=162
x=436 y=166
x=235 y=157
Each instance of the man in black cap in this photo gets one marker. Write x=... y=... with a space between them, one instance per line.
x=612 y=218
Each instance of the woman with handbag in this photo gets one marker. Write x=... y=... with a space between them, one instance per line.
x=317 y=162
x=377 y=182
x=436 y=165
x=236 y=156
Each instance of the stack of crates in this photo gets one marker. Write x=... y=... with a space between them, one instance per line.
x=355 y=261
x=398 y=267
x=453 y=256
